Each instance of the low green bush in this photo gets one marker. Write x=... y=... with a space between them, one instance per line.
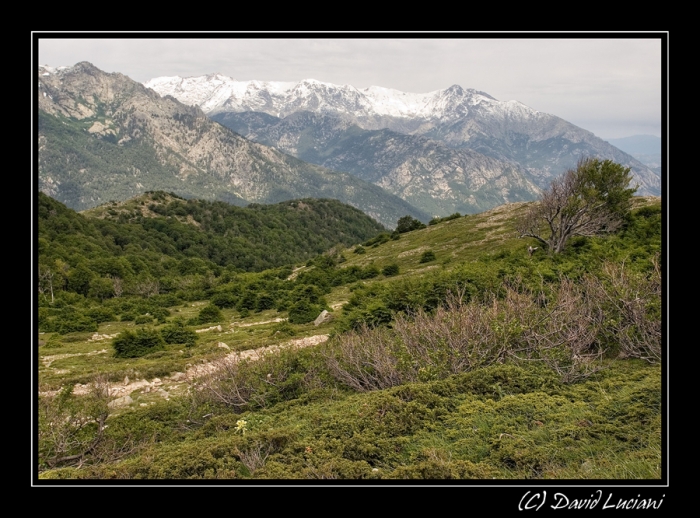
x=391 y=270
x=101 y=314
x=132 y=344
x=76 y=324
x=303 y=312
x=427 y=256
x=143 y=319
x=178 y=333
x=209 y=313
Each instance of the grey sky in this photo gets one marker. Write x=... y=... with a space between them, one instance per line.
x=610 y=85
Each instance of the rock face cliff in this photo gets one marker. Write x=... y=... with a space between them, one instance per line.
x=106 y=137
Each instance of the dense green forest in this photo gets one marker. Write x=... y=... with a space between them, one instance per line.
x=450 y=352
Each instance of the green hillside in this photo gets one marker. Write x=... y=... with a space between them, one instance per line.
x=450 y=351
x=158 y=224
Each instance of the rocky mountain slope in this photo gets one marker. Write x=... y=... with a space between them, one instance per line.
x=425 y=172
x=106 y=137
x=543 y=144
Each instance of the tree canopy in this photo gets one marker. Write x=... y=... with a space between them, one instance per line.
x=590 y=200
x=408 y=223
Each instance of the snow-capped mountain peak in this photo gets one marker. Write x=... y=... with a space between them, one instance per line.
x=215 y=93
x=459 y=117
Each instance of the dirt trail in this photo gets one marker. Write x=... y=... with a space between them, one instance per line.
x=48 y=360
x=175 y=380
x=248 y=324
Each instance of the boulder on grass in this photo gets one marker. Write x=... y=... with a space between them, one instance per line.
x=324 y=317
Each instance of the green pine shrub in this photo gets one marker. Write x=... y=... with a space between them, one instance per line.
x=178 y=333
x=133 y=344
x=209 y=313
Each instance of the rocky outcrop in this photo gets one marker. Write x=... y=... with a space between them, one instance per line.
x=323 y=317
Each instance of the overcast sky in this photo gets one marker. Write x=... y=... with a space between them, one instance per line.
x=608 y=85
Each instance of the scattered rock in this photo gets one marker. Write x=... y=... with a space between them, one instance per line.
x=212 y=328
x=223 y=346
x=97 y=337
x=120 y=402
x=324 y=317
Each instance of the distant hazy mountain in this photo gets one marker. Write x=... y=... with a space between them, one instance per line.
x=645 y=148
x=638 y=144
x=544 y=145
x=106 y=137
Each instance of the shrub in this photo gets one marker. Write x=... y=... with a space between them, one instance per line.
x=209 y=313
x=360 y=250
x=378 y=240
x=224 y=299
x=177 y=333
x=391 y=270
x=128 y=316
x=437 y=220
x=143 y=319
x=284 y=328
x=373 y=315
x=264 y=301
x=427 y=256
x=160 y=314
x=284 y=273
x=247 y=384
x=365 y=359
x=101 y=314
x=74 y=324
x=303 y=312
x=369 y=272
x=71 y=428
x=130 y=344
x=165 y=300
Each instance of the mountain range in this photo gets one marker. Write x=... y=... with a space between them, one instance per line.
x=542 y=145
x=105 y=137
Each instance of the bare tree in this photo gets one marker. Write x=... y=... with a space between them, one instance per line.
x=117 y=284
x=587 y=201
x=46 y=276
x=147 y=288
